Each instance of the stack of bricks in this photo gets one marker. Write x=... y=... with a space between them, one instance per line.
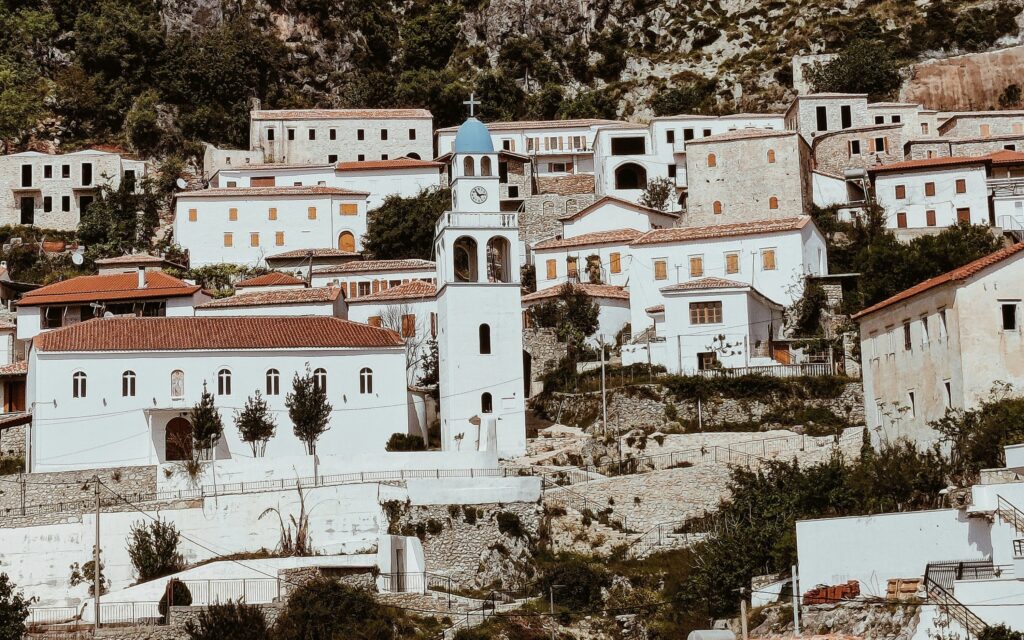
x=831 y=594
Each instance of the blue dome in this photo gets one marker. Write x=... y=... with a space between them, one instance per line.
x=473 y=137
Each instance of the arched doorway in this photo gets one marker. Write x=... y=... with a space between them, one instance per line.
x=346 y=241
x=630 y=176
x=178 y=440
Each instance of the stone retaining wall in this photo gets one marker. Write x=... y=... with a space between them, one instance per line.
x=545 y=353
x=179 y=616
x=469 y=545
x=12 y=441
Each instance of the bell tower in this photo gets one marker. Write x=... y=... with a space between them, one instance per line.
x=480 y=334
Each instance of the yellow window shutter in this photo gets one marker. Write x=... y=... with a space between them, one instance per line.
x=254 y=239
x=311 y=213
x=616 y=263
x=273 y=213
x=348 y=209
x=193 y=215
x=279 y=238
x=228 y=240
x=232 y=214
x=552 y=269
x=660 y=270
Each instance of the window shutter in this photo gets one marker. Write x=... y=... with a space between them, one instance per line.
x=279 y=238
x=409 y=325
x=768 y=259
x=373 y=321
x=660 y=270
x=732 y=263
x=348 y=209
x=616 y=262
x=696 y=267
x=929 y=188
x=232 y=214
x=963 y=215
x=254 y=239
x=901 y=219
x=193 y=215
x=961 y=186
x=228 y=240
x=901 y=192
x=311 y=213
x=930 y=217
x=552 y=269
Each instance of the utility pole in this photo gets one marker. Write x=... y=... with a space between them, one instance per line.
x=96 y=563
x=551 y=595
x=743 y=612
x=604 y=401
x=796 y=602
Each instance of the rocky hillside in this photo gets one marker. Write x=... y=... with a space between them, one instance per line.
x=160 y=75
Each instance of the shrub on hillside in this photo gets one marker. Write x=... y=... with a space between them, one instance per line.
x=405 y=442
x=153 y=549
x=229 y=621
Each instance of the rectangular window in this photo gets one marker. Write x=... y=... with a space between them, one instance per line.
x=943 y=327
x=193 y=215
x=929 y=188
x=961 y=186
x=373 y=321
x=929 y=217
x=660 y=269
x=705 y=313
x=571 y=269
x=985 y=130
x=821 y=115
x=48 y=171
x=854 y=147
x=65 y=203
x=556 y=167
x=687 y=134
x=383 y=156
x=229 y=240
x=272 y=213
x=670 y=136
x=696 y=266
x=360 y=157
x=911 y=405
x=949 y=394
x=47 y=204
x=270 y=135
x=846 y=115
x=332 y=158
x=707 y=360
x=552 y=269
x=254 y=239
x=615 y=261
x=881 y=145
x=65 y=170
x=768 y=259
x=924 y=330
x=924 y=128
x=364 y=288
x=83 y=204
x=1009 y=312
x=383 y=134
x=409 y=325
x=433 y=324
x=907 y=343
x=311 y=213
x=732 y=263
x=963 y=214
x=86 y=174
x=312 y=134
x=707 y=132
x=879 y=119
x=26 y=175
x=412 y=134
x=332 y=134
x=279 y=238
x=233 y=214
x=901 y=220
x=291 y=134
x=348 y=208
x=901 y=192
x=672 y=171
x=896 y=119
x=360 y=134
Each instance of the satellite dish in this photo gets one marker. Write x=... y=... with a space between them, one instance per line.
x=108 y=314
x=77 y=259
x=181 y=183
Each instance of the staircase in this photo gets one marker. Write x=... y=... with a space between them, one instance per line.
x=938 y=582
x=662 y=537
x=1010 y=514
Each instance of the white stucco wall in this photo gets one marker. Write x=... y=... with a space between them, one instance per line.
x=615 y=215
x=945 y=202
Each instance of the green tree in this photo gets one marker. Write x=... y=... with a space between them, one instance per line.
x=691 y=95
x=142 y=123
x=863 y=66
x=207 y=426
x=86 y=574
x=22 y=95
x=579 y=579
x=231 y=621
x=976 y=437
x=328 y=610
x=308 y=409
x=153 y=549
x=1000 y=632
x=428 y=40
x=573 y=315
x=255 y=424
x=658 y=193
x=121 y=220
x=404 y=227
x=599 y=103
x=14 y=610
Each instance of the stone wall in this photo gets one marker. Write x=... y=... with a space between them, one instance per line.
x=539 y=219
x=647 y=407
x=358 y=577
x=169 y=632
x=545 y=353
x=181 y=615
x=832 y=150
x=466 y=543
x=12 y=442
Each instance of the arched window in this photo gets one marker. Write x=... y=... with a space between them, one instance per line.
x=485 y=339
x=572 y=207
x=413 y=156
x=468 y=169
x=78 y=385
x=346 y=242
x=498 y=267
x=128 y=384
x=224 y=382
x=320 y=379
x=771 y=156
x=273 y=382
x=366 y=380
x=773 y=203
x=486 y=404
x=716 y=206
x=464 y=257
x=630 y=176
x=177 y=384
x=712 y=160
x=485 y=166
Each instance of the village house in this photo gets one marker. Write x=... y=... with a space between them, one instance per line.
x=748 y=174
x=610 y=212
x=69 y=302
x=318 y=136
x=943 y=344
x=304 y=260
x=272 y=281
x=916 y=121
x=52 y=191
x=817 y=113
x=600 y=256
x=612 y=302
x=936 y=147
x=836 y=152
x=149 y=372
x=982 y=124
x=360 y=278
x=131 y=263
x=243 y=226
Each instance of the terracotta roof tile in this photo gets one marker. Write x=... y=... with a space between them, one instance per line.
x=1006 y=156
x=754 y=227
x=267 y=298
x=615 y=236
x=927 y=163
x=374 y=266
x=272 y=279
x=658 y=308
x=625 y=203
x=338 y=114
x=956 y=275
x=317 y=253
x=412 y=290
x=573 y=185
x=704 y=283
x=397 y=163
x=14 y=369
x=261 y=192
x=107 y=288
x=134 y=258
x=215 y=333
x=592 y=290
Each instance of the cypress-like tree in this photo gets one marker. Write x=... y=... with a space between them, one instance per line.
x=207 y=427
x=255 y=424
x=308 y=409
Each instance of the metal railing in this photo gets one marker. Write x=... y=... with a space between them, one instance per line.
x=1018 y=549
x=247 y=590
x=143 y=612
x=773 y=370
x=1010 y=514
x=934 y=575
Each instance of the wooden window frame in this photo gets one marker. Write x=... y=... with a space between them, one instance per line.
x=709 y=312
x=660 y=269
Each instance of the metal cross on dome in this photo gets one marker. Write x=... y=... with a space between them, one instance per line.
x=473 y=103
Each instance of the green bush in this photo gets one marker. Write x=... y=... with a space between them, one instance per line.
x=325 y=609
x=510 y=524
x=153 y=549
x=405 y=442
x=229 y=621
x=469 y=514
x=179 y=594
x=581 y=581
x=14 y=610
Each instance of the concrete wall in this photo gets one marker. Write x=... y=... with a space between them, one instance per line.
x=405 y=136
x=944 y=203
x=616 y=215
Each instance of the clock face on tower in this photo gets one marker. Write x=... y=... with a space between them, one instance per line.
x=478 y=195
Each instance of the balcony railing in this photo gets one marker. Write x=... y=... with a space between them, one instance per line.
x=502 y=220
x=775 y=370
x=1006 y=186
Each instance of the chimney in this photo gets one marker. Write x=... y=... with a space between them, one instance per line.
x=141 y=271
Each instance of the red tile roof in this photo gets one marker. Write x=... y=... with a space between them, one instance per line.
x=14 y=368
x=281 y=296
x=956 y=275
x=317 y=253
x=337 y=114
x=272 y=279
x=592 y=290
x=397 y=163
x=927 y=163
x=754 y=227
x=619 y=201
x=374 y=266
x=1006 y=156
x=658 y=308
x=412 y=290
x=615 y=236
x=243 y=193
x=135 y=258
x=108 y=288
x=215 y=334
x=704 y=283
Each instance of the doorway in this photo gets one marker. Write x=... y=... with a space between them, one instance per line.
x=178 y=440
